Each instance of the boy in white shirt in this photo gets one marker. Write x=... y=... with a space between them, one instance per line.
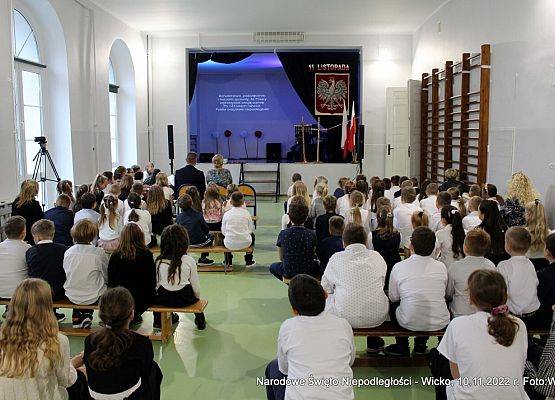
x=86 y=269
x=88 y=201
x=314 y=343
x=12 y=256
x=390 y=193
x=397 y=200
x=428 y=204
x=520 y=275
x=472 y=219
x=418 y=285
x=443 y=199
x=354 y=280
x=238 y=229
x=476 y=245
x=402 y=215
x=294 y=178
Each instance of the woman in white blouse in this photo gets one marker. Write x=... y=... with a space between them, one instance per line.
x=450 y=238
x=34 y=363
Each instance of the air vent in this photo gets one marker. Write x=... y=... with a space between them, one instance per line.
x=279 y=37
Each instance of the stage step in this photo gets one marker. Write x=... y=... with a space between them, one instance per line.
x=260 y=179
x=251 y=181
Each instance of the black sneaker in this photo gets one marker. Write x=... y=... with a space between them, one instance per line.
x=205 y=261
x=250 y=263
x=136 y=322
x=200 y=321
x=375 y=347
x=175 y=318
x=420 y=350
x=84 y=321
x=396 y=350
x=59 y=316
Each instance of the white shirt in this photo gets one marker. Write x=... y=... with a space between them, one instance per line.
x=435 y=221
x=290 y=191
x=127 y=207
x=478 y=356
x=365 y=219
x=354 y=279
x=429 y=205
x=522 y=284
x=188 y=276
x=390 y=193
x=420 y=284
x=343 y=205
x=86 y=213
x=48 y=383
x=322 y=346
x=397 y=202
x=13 y=266
x=106 y=232
x=86 y=269
x=457 y=284
x=144 y=222
x=402 y=221
x=471 y=221
x=237 y=227
x=444 y=246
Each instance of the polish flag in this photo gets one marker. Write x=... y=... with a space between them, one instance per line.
x=350 y=140
x=344 y=123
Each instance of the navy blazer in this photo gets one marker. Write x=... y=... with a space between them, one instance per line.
x=189 y=175
x=63 y=221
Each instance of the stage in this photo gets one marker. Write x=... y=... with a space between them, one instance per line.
x=308 y=171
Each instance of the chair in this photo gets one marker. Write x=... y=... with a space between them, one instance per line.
x=250 y=197
x=223 y=191
x=183 y=190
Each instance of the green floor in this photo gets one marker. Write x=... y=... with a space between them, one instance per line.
x=244 y=313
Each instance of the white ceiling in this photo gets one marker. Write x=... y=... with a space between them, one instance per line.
x=241 y=16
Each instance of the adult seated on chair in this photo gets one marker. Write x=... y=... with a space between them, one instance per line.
x=190 y=175
x=150 y=178
x=296 y=244
x=219 y=175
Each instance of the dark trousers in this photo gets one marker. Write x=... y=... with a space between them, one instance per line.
x=313 y=269
x=80 y=313
x=248 y=256
x=439 y=367
x=149 y=390
x=404 y=341
x=274 y=392
x=209 y=241
x=79 y=390
x=179 y=298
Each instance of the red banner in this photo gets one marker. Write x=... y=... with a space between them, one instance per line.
x=331 y=92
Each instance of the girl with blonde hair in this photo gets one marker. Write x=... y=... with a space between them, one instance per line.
x=35 y=361
x=162 y=181
x=110 y=223
x=536 y=224
x=160 y=210
x=26 y=206
x=212 y=208
x=317 y=208
x=520 y=191
x=357 y=214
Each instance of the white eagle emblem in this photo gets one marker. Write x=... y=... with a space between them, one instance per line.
x=332 y=93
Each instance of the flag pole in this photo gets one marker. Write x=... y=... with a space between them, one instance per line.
x=318 y=143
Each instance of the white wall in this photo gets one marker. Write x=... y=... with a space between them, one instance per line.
x=522 y=77
x=89 y=34
x=169 y=84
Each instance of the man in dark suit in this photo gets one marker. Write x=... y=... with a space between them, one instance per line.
x=189 y=175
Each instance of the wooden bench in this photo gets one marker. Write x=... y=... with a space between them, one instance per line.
x=388 y=329
x=217 y=249
x=163 y=334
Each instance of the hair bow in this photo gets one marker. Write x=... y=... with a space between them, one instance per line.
x=537 y=201
x=454 y=211
x=500 y=310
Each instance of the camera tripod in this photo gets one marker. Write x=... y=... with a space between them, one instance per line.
x=40 y=173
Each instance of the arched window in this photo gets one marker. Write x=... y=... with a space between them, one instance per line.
x=113 y=93
x=29 y=94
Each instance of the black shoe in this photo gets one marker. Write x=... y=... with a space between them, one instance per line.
x=420 y=350
x=200 y=321
x=396 y=350
x=136 y=322
x=175 y=318
x=84 y=321
x=376 y=347
x=205 y=261
x=250 y=263
x=59 y=316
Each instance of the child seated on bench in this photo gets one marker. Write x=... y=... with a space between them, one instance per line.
x=62 y=217
x=12 y=255
x=86 y=269
x=88 y=202
x=110 y=223
x=450 y=238
x=333 y=243
x=231 y=188
x=177 y=277
x=322 y=222
x=120 y=363
x=296 y=245
x=520 y=275
x=132 y=266
x=546 y=286
x=312 y=343
x=317 y=208
x=138 y=189
x=386 y=240
x=472 y=219
x=340 y=190
x=476 y=245
x=238 y=229
x=45 y=260
x=212 y=208
x=193 y=221
x=417 y=288
x=140 y=217
x=489 y=343
x=402 y=216
x=354 y=280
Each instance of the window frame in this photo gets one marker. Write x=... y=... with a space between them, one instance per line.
x=113 y=89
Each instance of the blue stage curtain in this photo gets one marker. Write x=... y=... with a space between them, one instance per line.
x=196 y=58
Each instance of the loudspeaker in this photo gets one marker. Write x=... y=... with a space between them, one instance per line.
x=273 y=151
x=205 y=157
x=360 y=142
x=170 y=142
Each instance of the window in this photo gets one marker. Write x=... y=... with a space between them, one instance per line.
x=29 y=91
x=113 y=93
